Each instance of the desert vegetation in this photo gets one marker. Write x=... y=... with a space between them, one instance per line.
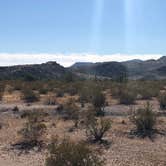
x=144 y=120
x=82 y=122
x=70 y=153
x=29 y=96
x=97 y=128
x=32 y=131
x=162 y=100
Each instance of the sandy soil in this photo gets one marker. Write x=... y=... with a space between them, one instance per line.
x=123 y=150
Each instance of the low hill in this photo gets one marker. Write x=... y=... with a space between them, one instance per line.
x=148 y=68
x=49 y=70
x=136 y=69
x=112 y=70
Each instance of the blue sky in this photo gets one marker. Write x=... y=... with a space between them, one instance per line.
x=101 y=27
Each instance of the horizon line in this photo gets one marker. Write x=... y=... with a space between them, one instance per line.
x=66 y=60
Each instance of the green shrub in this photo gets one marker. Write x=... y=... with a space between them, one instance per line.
x=84 y=96
x=148 y=90
x=98 y=101
x=2 y=88
x=59 y=93
x=15 y=109
x=43 y=91
x=29 y=96
x=127 y=97
x=97 y=128
x=50 y=100
x=72 y=112
x=29 y=77
x=1 y=95
x=116 y=89
x=88 y=115
x=69 y=77
x=162 y=100
x=17 y=85
x=68 y=153
x=144 y=119
x=87 y=90
x=33 y=128
x=146 y=94
x=9 y=88
x=71 y=90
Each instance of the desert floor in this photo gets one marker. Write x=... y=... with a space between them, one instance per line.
x=122 y=150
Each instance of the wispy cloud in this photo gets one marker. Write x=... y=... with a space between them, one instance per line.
x=68 y=59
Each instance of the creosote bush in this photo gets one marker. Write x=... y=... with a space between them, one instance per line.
x=33 y=128
x=162 y=100
x=68 y=153
x=87 y=89
x=127 y=97
x=85 y=93
x=71 y=90
x=96 y=128
x=59 y=93
x=50 y=100
x=29 y=96
x=145 y=120
x=116 y=89
x=2 y=88
x=148 y=90
x=98 y=101
x=72 y=112
x=146 y=93
x=1 y=95
x=43 y=91
x=15 y=109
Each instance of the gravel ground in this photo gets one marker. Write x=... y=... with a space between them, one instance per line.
x=123 y=150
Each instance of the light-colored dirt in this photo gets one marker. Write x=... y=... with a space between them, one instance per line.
x=126 y=151
x=123 y=150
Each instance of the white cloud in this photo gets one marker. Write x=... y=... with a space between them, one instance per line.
x=68 y=59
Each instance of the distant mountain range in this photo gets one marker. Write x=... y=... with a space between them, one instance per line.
x=150 y=69
x=112 y=70
x=135 y=69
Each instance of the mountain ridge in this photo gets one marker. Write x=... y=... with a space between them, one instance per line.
x=134 y=69
x=38 y=71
